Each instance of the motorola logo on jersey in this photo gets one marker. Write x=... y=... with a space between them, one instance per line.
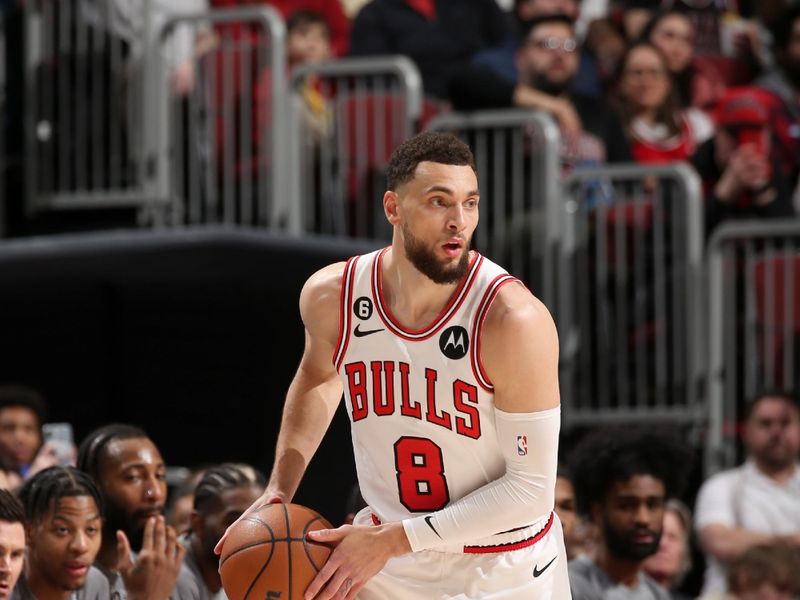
x=454 y=342
x=362 y=308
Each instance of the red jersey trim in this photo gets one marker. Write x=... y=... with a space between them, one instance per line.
x=456 y=300
x=477 y=326
x=345 y=302
x=498 y=547
x=512 y=546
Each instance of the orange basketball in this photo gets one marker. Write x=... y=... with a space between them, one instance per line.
x=267 y=555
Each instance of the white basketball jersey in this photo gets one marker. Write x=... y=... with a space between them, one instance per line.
x=420 y=405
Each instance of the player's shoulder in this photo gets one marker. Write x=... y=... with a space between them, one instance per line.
x=324 y=284
x=516 y=309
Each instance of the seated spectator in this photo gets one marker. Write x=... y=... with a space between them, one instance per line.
x=768 y=572
x=64 y=515
x=440 y=36
x=606 y=43
x=136 y=542
x=221 y=496
x=12 y=542
x=758 y=502
x=22 y=412
x=783 y=81
x=659 y=132
x=565 y=507
x=670 y=565
x=705 y=18
x=308 y=42
x=622 y=480
x=674 y=34
x=331 y=10
x=179 y=508
x=547 y=63
x=502 y=59
x=740 y=171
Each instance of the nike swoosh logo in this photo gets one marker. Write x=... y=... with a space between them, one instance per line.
x=537 y=572
x=359 y=333
x=428 y=521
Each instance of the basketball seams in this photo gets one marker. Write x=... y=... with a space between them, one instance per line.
x=316 y=519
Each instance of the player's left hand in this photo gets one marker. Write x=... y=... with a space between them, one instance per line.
x=361 y=551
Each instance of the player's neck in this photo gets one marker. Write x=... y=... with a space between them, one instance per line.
x=209 y=570
x=620 y=570
x=412 y=297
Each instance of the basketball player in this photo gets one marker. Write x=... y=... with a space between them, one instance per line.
x=449 y=370
x=12 y=542
x=64 y=512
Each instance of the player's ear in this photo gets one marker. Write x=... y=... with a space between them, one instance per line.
x=391 y=202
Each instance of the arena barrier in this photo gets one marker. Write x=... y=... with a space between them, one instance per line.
x=85 y=83
x=346 y=118
x=629 y=298
x=516 y=155
x=754 y=321
x=223 y=137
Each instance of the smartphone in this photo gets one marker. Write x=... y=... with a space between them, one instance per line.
x=61 y=437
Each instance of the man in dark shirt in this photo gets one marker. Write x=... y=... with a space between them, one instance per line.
x=622 y=479
x=440 y=36
x=547 y=62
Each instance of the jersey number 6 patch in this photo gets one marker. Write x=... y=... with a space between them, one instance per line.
x=420 y=474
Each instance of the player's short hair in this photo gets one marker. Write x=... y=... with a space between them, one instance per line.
x=41 y=493
x=304 y=18
x=27 y=397
x=763 y=394
x=226 y=476
x=609 y=456
x=11 y=509
x=431 y=146
x=94 y=445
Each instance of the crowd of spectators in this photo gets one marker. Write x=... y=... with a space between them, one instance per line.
x=102 y=522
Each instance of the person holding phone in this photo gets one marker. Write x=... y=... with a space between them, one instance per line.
x=738 y=164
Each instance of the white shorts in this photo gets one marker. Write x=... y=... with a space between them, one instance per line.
x=535 y=572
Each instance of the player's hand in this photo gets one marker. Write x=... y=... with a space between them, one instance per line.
x=267 y=497
x=361 y=551
x=153 y=575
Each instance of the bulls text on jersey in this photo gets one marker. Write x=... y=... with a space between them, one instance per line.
x=372 y=390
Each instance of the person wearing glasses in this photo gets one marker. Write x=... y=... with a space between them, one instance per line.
x=547 y=63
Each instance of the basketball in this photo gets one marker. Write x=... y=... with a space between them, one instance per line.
x=267 y=555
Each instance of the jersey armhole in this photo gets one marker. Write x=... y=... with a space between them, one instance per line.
x=345 y=300
x=477 y=326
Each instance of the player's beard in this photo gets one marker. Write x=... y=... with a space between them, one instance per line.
x=426 y=262
x=116 y=519
x=620 y=545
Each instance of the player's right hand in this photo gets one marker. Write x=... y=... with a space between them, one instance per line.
x=267 y=497
x=155 y=572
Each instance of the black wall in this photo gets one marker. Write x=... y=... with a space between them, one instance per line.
x=193 y=335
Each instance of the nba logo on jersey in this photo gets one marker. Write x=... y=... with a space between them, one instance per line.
x=522 y=445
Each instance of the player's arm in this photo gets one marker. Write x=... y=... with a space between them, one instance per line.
x=519 y=352
x=314 y=392
x=316 y=389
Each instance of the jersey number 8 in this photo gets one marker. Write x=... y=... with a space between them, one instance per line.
x=420 y=474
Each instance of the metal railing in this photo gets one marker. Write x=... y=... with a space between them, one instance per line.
x=85 y=83
x=754 y=321
x=629 y=303
x=346 y=118
x=223 y=136
x=516 y=155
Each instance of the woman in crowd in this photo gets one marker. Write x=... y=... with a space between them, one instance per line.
x=673 y=560
x=673 y=33
x=660 y=131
